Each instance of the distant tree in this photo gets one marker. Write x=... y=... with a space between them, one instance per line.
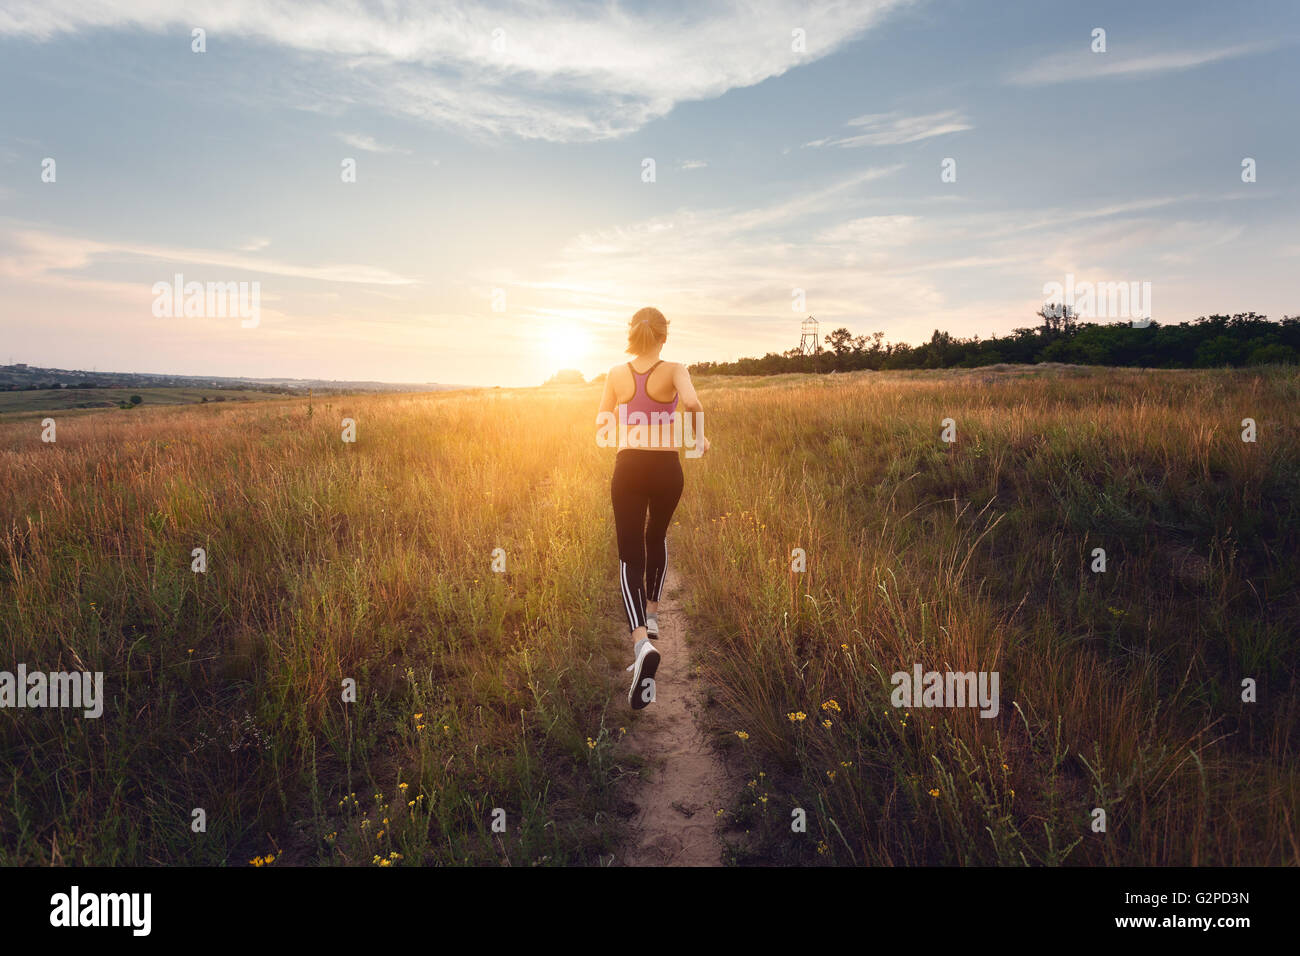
x=1273 y=354
x=840 y=341
x=567 y=376
x=1210 y=341
x=136 y=399
x=1218 y=351
x=1058 y=318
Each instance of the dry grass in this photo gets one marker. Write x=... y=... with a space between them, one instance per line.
x=372 y=560
x=326 y=561
x=1119 y=690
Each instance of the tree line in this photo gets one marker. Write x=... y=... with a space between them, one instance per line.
x=1212 y=341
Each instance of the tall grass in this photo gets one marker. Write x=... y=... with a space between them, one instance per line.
x=478 y=690
x=1120 y=690
x=325 y=561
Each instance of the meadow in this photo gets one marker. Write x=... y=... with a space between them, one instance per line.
x=480 y=691
x=24 y=404
x=325 y=561
x=1121 y=690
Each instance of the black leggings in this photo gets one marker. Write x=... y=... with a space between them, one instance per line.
x=643 y=479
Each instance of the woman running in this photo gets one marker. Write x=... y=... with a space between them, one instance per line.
x=647 y=479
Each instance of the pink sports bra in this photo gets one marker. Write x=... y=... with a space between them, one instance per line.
x=641 y=400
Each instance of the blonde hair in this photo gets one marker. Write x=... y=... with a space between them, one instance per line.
x=647 y=329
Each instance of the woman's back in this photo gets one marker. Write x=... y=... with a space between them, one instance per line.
x=651 y=378
x=647 y=401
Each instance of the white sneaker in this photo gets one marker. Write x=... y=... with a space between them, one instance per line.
x=652 y=625
x=643 y=669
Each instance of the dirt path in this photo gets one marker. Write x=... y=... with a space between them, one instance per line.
x=687 y=783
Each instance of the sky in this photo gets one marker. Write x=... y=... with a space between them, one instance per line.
x=502 y=221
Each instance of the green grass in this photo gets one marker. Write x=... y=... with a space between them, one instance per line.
x=372 y=562
x=326 y=561
x=1120 y=691
x=28 y=403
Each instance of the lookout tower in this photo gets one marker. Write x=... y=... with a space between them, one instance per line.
x=810 y=342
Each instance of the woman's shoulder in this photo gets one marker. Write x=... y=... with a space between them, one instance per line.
x=622 y=369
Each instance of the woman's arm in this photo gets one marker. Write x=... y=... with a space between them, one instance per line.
x=606 y=424
x=607 y=402
x=686 y=389
x=690 y=403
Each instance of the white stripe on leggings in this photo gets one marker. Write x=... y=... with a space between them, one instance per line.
x=629 y=597
x=622 y=586
x=663 y=573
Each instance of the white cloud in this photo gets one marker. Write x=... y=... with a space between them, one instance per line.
x=1085 y=65
x=894 y=129
x=729 y=267
x=368 y=143
x=561 y=72
x=729 y=273
x=48 y=256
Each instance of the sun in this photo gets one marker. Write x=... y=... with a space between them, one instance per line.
x=565 y=344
